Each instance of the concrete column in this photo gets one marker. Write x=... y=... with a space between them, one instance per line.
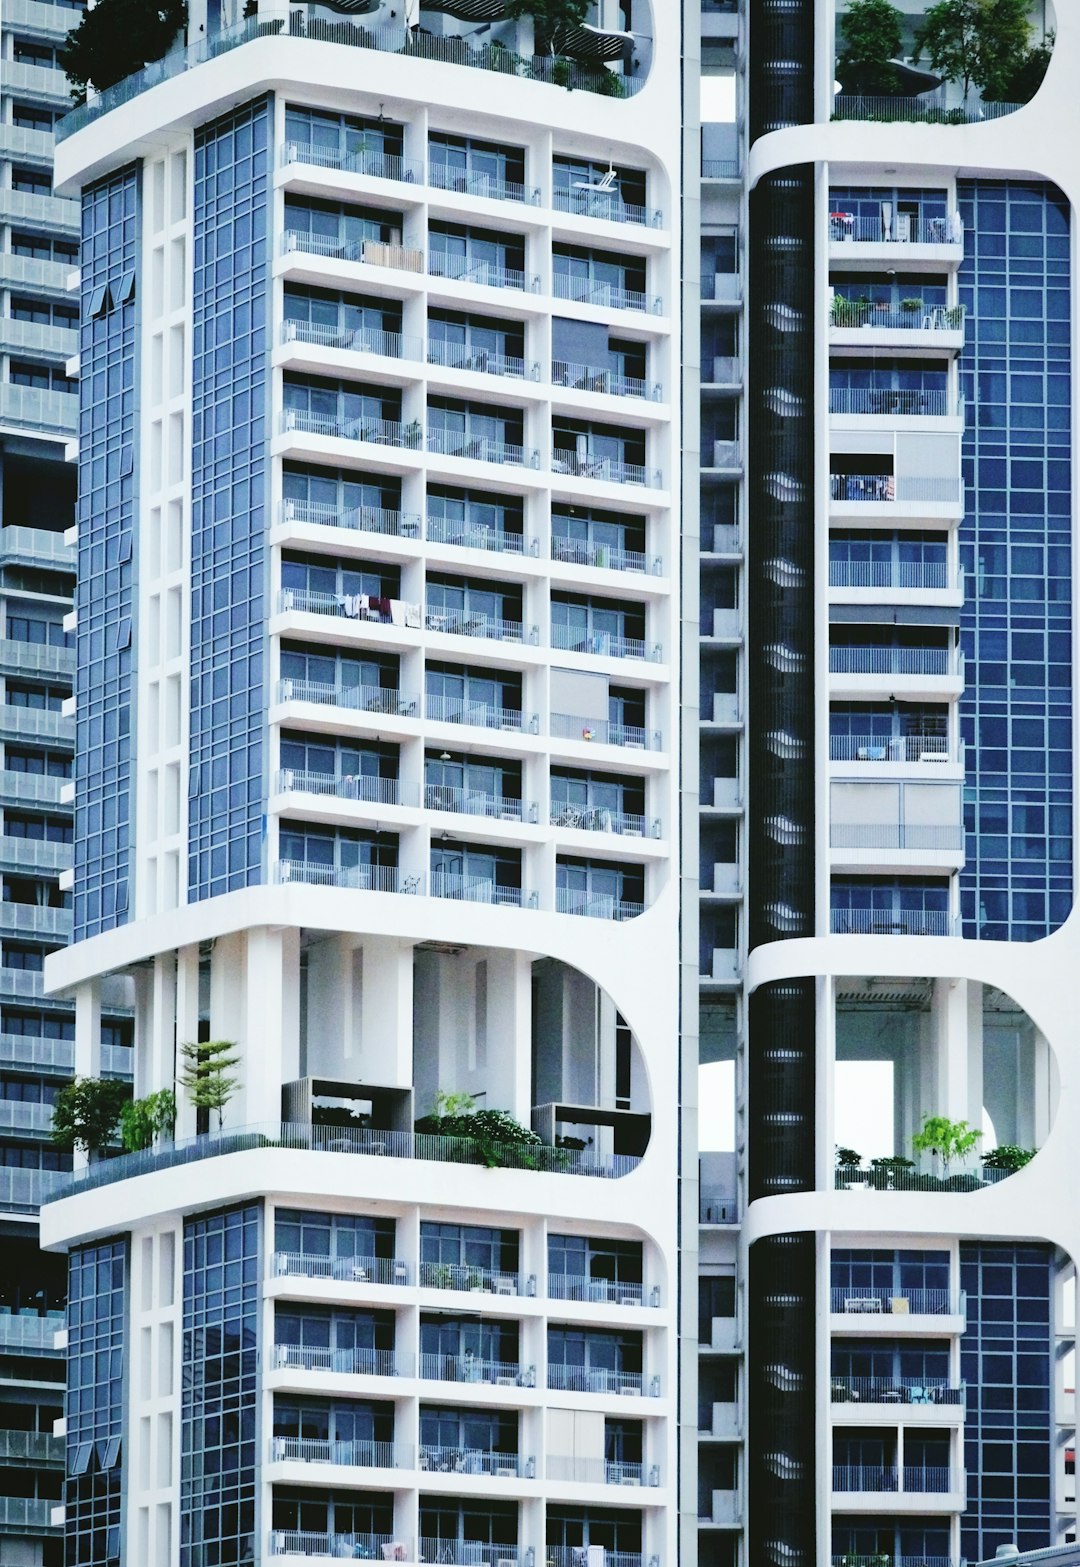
x=1044 y=1087
x=87 y=1040
x=161 y=1044
x=385 y=1011
x=951 y=1022
x=187 y=1030
x=976 y=1098
x=264 y=1046
x=145 y=1081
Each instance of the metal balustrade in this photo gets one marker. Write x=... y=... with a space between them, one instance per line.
x=479 y=536
x=356 y=878
x=898 y=1178
x=472 y=1553
x=865 y=1477
x=357 y=786
x=481 y=448
x=481 y=361
x=360 y=699
x=466 y=183
x=891 y=661
x=358 y=340
x=377 y=165
x=906 y=401
x=488 y=274
x=605 y=644
x=888 y=574
x=895 y=1390
x=578 y=1556
x=364 y=519
x=590 y=378
x=355 y=606
x=307 y=1542
x=464 y=1276
x=717 y=1207
x=853 y=1559
x=606 y=205
x=593 y=291
x=586 y=465
x=916 y=318
x=597 y=906
x=473 y=1368
x=475 y=802
x=601 y=1471
x=347 y=1270
x=889 y=748
x=601 y=1379
x=476 y=1461
x=481 y=889
x=354 y=1454
x=481 y=715
x=903 y=229
x=890 y=922
x=600 y=819
x=601 y=731
x=378 y=432
x=928 y=1477
x=579 y=552
x=609 y=1292
x=720 y=169
x=372 y=252
x=30 y=1331
x=40 y=544
x=463 y=623
x=851 y=106
x=35 y=1447
x=342 y=1362
x=896 y=835
x=874 y=488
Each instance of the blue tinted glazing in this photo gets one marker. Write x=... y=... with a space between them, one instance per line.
x=230 y=414
x=104 y=594
x=1016 y=711
x=1007 y=1361
x=97 y=1291
x=219 y=1377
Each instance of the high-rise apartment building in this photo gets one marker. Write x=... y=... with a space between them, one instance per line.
x=378 y=627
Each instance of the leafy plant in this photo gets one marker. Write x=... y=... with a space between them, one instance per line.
x=118 y=37
x=1008 y=1156
x=552 y=19
x=872 y=39
x=1025 y=81
x=911 y=304
x=945 y=1140
x=205 y=1074
x=87 y=1113
x=848 y=1159
x=979 y=43
x=143 y=1121
x=500 y=1140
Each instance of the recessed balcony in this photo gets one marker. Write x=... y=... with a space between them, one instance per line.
x=353 y=1455
x=371 y=252
x=465 y=623
x=892 y=922
x=911 y=1392
x=601 y=1471
x=609 y=1292
x=607 y=205
x=582 y=552
x=373 y=790
x=342 y=1362
x=309 y=1543
x=593 y=905
x=377 y=432
x=481 y=448
x=474 y=1368
x=888 y=1479
x=601 y=1379
x=486 y=274
x=854 y=323
x=910 y=748
x=600 y=731
x=385 y=701
x=481 y=889
x=590 y=378
x=480 y=361
x=604 y=644
x=480 y=715
x=599 y=819
x=470 y=182
x=610 y=470
x=609 y=296
x=475 y=802
x=359 y=340
x=880 y=402
x=476 y=1461
x=362 y=519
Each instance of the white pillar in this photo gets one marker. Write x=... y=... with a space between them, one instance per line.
x=87 y=1039
x=950 y=1012
x=266 y=1053
x=187 y=1031
x=161 y=1045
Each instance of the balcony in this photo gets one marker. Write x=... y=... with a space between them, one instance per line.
x=32 y=1447
x=902 y=491
x=376 y=165
x=342 y=1362
x=896 y=1390
x=481 y=361
x=472 y=1368
x=929 y=575
x=849 y=106
x=31 y=407
x=487 y=274
x=359 y=699
x=39 y=546
x=601 y=1471
x=893 y=1178
x=912 y=1478
x=363 y=340
x=476 y=1461
x=463 y=1276
x=604 y=644
x=356 y=878
x=930 y=837
x=463 y=623
x=23 y=1191
x=376 y=791
x=465 y=183
x=19 y=1513
x=596 y=905
x=356 y=607
x=895 y=401
x=609 y=1292
x=479 y=536
x=939 y=321
x=600 y=731
x=30 y=1331
x=717 y=1207
x=578 y=1556
x=936 y=661
x=609 y=296
x=607 y=206
x=377 y=432
x=474 y=802
x=891 y=922
x=599 y=819
x=345 y=1270
x=904 y=229
x=481 y=889
x=372 y=252
x=589 y=378
x=306 y=1542
x=599 y=1379
x=721 y=455
x=479 y=715
x=481 y=448
x=611 y=470
x=891 y=748
x=579 y=552
x=720 y=169
x=358 y=1455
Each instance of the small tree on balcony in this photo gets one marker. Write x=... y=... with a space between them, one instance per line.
x=979 y=43
x=206 y=1074
x=118 y=37
x=552 y=19
x=87 y=1113
x=945 y=1140
x=872 y=38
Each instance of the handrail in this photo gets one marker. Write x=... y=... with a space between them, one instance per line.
x=473 y=1368
x=611 y=470
x=364 y=519
x=348 y=786
x=904 y=401
x=931 y=318
x=600 y=819
x=466 y=183
x=461 y=269
x=580 y=552
x=601 y=731
x=359 y=340
x=480 y=889
x=593 y=291
x=889 y=748
x=596 y=905
x=606 y=205
x=351 y=1270
x=372 y=252
x=895 y=1390
x=605 y=644
x=593 y=378
x=477 y=802
x=354 y=1454
x=380 y=432
x=362 y=699
x=379 y=165
x=345 y=1362
x=891 y=922
x=884 y=660
x=888 y=574
x=481 y=361
x=459 y=710
x=896 y=835
x=855 y=106
x=876 y=487
x=481 y=448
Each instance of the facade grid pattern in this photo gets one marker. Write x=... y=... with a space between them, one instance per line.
x=97 y=1312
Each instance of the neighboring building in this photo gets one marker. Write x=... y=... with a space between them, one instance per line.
x=378 y=756
x=39 y=236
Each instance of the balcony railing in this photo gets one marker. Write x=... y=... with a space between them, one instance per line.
x=598 y=819
x=609 y=1292
x=360 y=699
x=480 y=889
x=890 y=922
x=355 y=1454
x=865 y=1477
x=306 y=1542
x=591 y=291
x=905 y=401
x=31 y=1331
x=584 y=465
x=601 y=731
x=905 y=229
x=479 y=536
x=345 y=1362
x=463 y=269
x=605 y=644
x=931 y=318
x=360 y=340
x=720 y=168
x=354 y=606
x=369 y=1141
x=357 y=878
x=891 y=661
x=578 y=1556
x=717 y=1208
x=589 y=378
x=579 y=552
x=379 y=165
x=601 y=1471
x=475 y=802
x=463 y=1276
x=481 y=715
x=372 y=252
x=476 y=1461
x=851 y=106
x=853 y=1559
x=893 y=748
x=896 y=835
x=599 y=1379
x=442 y=177
x=379 y=791
x=21 y=1191
x=348 y=1270
x=888 y=574
x=482 y=361
x=379 y=432
x=596 y=905
x=364 y=519
x=898 y=1178
x=463 y=623
x=607 y=205
x=721 y=454
x=472 y=1368
x=34 y=1447
x=876 y=487
x=895 y=1390
x=481 y=448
